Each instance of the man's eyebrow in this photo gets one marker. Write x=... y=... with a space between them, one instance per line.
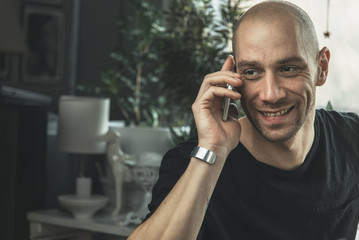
x=245 y=63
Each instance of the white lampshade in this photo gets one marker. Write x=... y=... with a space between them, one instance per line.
x=81 y=121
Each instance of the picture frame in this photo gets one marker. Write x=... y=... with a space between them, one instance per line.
x=44 y=37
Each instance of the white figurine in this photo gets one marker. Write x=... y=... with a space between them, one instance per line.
x=116 y=159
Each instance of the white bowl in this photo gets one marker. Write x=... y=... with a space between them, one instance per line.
x=83 y=208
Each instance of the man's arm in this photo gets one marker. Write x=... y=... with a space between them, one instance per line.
x=181 y=213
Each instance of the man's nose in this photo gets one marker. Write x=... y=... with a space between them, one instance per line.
x=272 y=90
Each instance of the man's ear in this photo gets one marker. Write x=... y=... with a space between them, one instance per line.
x=323 y=65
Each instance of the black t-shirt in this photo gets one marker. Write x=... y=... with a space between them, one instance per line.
x=252 y=200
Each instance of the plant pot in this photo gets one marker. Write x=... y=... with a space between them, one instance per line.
x=136 y=140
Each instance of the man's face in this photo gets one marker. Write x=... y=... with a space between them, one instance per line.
x=278 y=92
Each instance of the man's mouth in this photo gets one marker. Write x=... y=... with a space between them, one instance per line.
x=276 y=114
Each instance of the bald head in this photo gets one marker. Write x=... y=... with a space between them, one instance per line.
x=273 y=11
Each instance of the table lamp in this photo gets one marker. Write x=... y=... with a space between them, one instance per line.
x=82 y=120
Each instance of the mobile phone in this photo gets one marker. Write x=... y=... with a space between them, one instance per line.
x=227 y=102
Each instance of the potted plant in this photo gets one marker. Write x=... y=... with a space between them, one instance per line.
x=169 y=52
x=195 y=42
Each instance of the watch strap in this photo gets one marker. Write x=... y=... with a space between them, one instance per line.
x=204 y=154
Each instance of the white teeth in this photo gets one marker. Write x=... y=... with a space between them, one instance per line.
x=268 y=114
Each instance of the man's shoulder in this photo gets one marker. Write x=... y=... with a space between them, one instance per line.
x=337 y=117
x=340 y=127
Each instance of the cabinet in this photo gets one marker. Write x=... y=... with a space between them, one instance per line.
x=22 y=166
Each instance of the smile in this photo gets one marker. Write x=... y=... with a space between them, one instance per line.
x=276 y=114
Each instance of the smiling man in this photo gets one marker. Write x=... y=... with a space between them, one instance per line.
x=286 y=170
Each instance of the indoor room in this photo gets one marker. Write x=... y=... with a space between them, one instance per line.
x=95 y=95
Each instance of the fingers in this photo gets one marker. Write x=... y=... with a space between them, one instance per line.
x=228 y=63
x=221 y=79
x=212 y=97
x=225 y=76
x=221 y=93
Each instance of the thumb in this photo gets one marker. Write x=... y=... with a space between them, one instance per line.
x=228 y=63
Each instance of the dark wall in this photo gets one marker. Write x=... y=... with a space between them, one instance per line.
x=98 y=36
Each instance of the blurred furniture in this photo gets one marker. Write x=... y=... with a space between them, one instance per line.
x=55 y=224
x=22 y=160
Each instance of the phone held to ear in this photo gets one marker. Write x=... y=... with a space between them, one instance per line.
x=227 y=101
x=226 y=104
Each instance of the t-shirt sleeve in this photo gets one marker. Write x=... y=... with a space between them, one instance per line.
x=173 y=165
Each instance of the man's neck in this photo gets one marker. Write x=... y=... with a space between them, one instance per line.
x=286 y=155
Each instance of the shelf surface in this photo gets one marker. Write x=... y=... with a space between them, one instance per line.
x=101 y=222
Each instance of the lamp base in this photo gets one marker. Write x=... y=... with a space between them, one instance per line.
x=83 y=208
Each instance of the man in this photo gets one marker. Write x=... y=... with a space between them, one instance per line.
x=285 y=171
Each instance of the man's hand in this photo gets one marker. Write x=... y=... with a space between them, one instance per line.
x=214 y=134
x=181 y=213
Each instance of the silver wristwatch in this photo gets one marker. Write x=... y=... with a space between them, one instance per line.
x=204 y=154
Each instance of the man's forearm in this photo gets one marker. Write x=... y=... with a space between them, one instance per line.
x=181 y=213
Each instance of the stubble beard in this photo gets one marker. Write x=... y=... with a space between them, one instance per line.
x=276 y=133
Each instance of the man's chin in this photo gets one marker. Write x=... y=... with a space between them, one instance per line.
x=277 y=138
x=277 y=134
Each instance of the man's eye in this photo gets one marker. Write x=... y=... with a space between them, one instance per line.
x=288 y=69
x=251 y=72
